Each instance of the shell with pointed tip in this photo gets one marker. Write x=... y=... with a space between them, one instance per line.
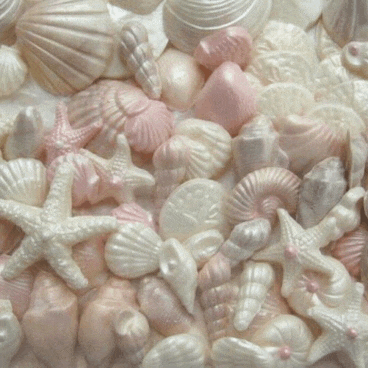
x=179 y=351
x=51 y=322
x=138 y=7
x=245 y=239
x=137 y=53
x=257 y=146
x=10 y=11
x=133 y=251
x=132 y=212
x=13 y=69
x=354 y=57
x=261 y=193
x=356 y=159
x=11 y=333
x=66 y=44
x=24 y=180
x=321 y=189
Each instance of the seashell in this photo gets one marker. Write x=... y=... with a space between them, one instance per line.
x=227 y=98
x=314 y=288
x=179 y=93
x=132 y=212
x=179 y=269
x=354 y=57
x=13 y=69
x=193 y=207
x=11 y=333
x=325 y=46
x=346 y=21
x=137 y=53
x=55 y=47
x=364 y=266
x=24 y=180
x=254 y=82
x=357 y=154
x=26 y=138
x=17 y=290
x=10 y=11
x=187 y=22
x=10 y=236
x=245 y=239
x=260 y=193
x=256 y=279
x=257 y=146
x=321 y=189
x=51 y=322
x=179 y=351
x=229 y=44
x=133 y=251
x=138 y=7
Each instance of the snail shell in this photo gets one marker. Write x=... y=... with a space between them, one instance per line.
x=355 y=58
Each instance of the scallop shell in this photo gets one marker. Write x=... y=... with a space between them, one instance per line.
x=133 y=251
x=356 y=159
x=66 y=45
x=10 y=11
x=138 y=7
x=187 y=22
x=355 y=58
x=132 y=212
x=13 y=69
x=257 y=146
x=24 y=180
x=260 y=193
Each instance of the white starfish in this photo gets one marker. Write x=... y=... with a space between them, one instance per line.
x=51 y=231
x=343 y=328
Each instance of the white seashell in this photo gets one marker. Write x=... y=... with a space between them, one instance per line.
x=321 y=189
x=260 y=193
x=179 y=269
x=58 y=37
x=245 y=239
x=354 y=57
x=187 y=22
x=13 y=69
x=10 y=11
x=24 y=180
x=255 y=282
x=357 y=154
x=11 y=333
x=138 y=55
x=133 y=251
x=26 y=138
x=325 y=47
x=138 y=7
x=257 y=146
x=179 y=351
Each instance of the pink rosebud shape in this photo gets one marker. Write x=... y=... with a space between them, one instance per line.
x=227 y=98
x=230 y=44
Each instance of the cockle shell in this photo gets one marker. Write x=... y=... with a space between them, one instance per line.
x=132 y=212
x=321 y=189
x=138 y=55
x=357 y=154
x=260 y=193
x=57 y=37
x=13 y=69
x=51 y=322
x=11 y=333
x=187 y=22
x=24 y=180
x=229 y=44
x=355 y=58
x=10 y=11
x=257 y=146
x=227 y=98
x=138 y=7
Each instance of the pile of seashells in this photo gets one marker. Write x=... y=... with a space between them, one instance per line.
x=198 y=198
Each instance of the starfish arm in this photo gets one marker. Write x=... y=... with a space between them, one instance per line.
x=80 y=137
x=27 y=254
x=289 y=227
x=272 y=253
x=291 y=274
x=323 y=346
x=122 y=156
x=136 y=177
x=316 y=261
x=22 y=215
x=100 y=164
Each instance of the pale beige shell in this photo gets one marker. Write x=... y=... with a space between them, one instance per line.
x=138 y=7
x=13 y=69
x=10 y=11
x=66 y=44
x=357 y=154
x=186 y=22
x=261 y=193
x=354 y=57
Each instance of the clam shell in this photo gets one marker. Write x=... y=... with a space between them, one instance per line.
x=354 y=57
x=260 y=193
x=10 y=11
x=138 y=7
x=187 y=22
x=66 y=44
x=13 y=69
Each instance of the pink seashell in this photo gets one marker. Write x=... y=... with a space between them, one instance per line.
x=227 y=98
x=132 y=212
x=229 y=44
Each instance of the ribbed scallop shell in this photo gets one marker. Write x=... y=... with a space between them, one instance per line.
x=261 y=193
x=133 y=251
x=132 y=212
x=187 y=22
x=13 y=70
x=24 y=180
x=66 y=44
x=9 y=13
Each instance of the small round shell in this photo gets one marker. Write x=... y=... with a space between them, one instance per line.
x=354 y=57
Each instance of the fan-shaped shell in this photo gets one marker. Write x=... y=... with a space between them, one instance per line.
x=187 y=22
x=10 y=10
x=66 y=44
x=355 y=58
x=132 y=212
x=260 y=193
x=23 y=180
x=13 y=69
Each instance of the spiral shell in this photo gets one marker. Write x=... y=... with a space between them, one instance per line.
x=58 y=37
x=260 y=193
x=354 y=57
x=10 y=11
